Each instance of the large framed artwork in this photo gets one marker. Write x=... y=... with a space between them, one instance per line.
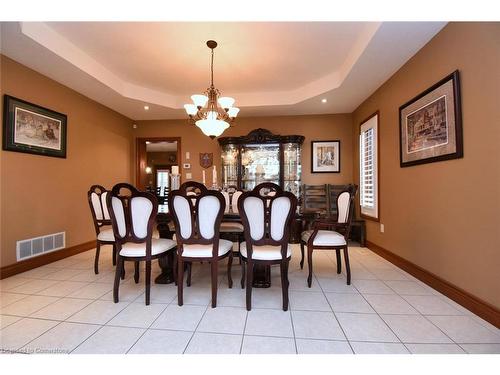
x=430 y=125
x=32 y=129
x=325 y=156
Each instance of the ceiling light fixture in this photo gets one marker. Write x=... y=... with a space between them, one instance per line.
x=146 y=107
x=211 y=112
x=323 y=100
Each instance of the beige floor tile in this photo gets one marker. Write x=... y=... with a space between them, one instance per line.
x=481 y=348
x=110 y=340
x=372 y=287
x=378 y=348
x=137 y=315
x=408 y=288
x=415 y=329
x=61 y=309
x=7 y=320
x=28 y=305
x=269 y=322
x=389 y=304
x=305 y=346
x=162 y=342
x=365 y=327
x=434 y=349
x=316 y=325
x=61 y=339
x=92 y=291
x=348 y=302
x=98 y=312
x=214 y=343
x=223 y=320
x=23 y=331
x=34 y=286
x=185 y=318
x=9 y=298
x=464 y=329
x=312 y=301
x=268 y=345
x=62 y=288
x=431 y=305
x=6 y=285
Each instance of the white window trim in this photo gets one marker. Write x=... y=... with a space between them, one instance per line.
x=369 y=212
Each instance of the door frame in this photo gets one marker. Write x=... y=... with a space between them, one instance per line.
x=141 y=156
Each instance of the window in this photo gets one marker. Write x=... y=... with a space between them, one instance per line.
x=368 y=167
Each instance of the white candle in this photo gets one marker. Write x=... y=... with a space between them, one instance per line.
x=203 y=177
x=214 y=176
x=175 y=169
x=225 y=175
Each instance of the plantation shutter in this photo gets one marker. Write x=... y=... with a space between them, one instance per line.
x=368 y=167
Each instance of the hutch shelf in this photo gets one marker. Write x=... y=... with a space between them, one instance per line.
x=262 y=156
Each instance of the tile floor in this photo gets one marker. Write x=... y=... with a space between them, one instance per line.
x=64 y=307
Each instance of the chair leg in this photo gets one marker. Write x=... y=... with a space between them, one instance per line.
x=213 y=266
x=114 y=255
x=174 y=266
x=243 y=269
x=148 y=281
x=136 y=272
x=180 y=280
x=122 y=267
x=96 y=261
x=339 y=262
x=302 y=255
x=229 y=265
x=284 y=283
x=347 y=267
x=249 y=284
x=118 y=273
x=310 y=264
x=188 y=281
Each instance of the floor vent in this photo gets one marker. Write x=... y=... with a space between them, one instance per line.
x=40 y=245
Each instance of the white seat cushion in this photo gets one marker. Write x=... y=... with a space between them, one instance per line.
x=266 y=252
x=205 y=251
x=230 y=227
x=325 y=238
x=158 y=246
x=106 y=234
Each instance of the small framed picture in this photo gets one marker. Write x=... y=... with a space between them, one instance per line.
x=32 y=129
x=186 y=165
x=325 y=156
x=430 y=125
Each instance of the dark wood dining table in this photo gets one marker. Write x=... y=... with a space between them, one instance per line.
x=262 y=275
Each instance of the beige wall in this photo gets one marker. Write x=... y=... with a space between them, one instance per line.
x=318 y=127
x=444 y=216
x=42 y=195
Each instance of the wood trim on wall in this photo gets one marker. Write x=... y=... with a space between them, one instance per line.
x=141 y=155
x=460 y=296
x=41 y=260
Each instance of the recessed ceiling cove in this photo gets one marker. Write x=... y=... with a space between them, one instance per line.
x=271 y=68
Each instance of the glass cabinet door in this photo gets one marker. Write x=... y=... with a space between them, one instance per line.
x=292 y=168
x=259 y=163
x=229 y=166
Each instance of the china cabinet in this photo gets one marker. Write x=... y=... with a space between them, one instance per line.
x=262 y=156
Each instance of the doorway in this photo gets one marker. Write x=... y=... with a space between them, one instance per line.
x=155 y=158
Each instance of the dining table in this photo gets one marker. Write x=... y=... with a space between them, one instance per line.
x=262 y=274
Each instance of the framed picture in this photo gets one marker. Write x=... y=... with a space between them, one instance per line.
x=430 y=125
x=33 y=129
x=325 y=156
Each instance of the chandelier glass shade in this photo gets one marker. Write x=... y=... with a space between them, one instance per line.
x=211 y=112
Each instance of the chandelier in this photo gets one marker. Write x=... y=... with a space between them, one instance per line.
x=211 y=112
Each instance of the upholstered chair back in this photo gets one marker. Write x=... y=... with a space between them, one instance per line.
x=343 y=204
x=197 y=217
x=266 y=217
x=97 y=202
x=132 y=213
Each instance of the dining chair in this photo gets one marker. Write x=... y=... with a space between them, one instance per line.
x=266 y=219
x=197 y=221
x=102 y=223
x=331 y=234
x=133 y=215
